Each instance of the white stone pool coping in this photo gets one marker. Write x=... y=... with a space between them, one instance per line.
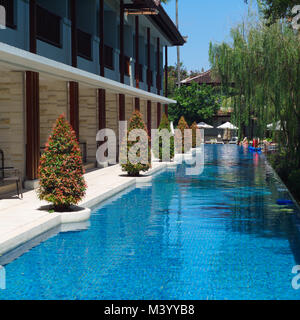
x=23 y=220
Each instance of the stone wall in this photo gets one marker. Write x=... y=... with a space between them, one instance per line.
x=53 y=103
x=12 y=121
x=112 y=112
x=143 y=108
x=88 y=120
x=154 y=115
x=129 y=107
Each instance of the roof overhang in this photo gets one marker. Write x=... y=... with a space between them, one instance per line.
x=161 y=20
x=27 y=61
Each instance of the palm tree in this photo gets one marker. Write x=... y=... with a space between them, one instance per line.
x=178 y=48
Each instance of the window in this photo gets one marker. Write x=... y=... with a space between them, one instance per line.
x=158 y=82
x=84 y=41
x=126 y=65
x=48 y=26
x=9 y=9
x=108 y=57
x=150 y=77
x=140 y=73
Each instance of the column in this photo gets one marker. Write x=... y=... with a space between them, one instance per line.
x=32 y=124
x=74 y=106
x=32 y=26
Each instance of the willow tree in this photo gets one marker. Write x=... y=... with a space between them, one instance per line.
x=262 y=65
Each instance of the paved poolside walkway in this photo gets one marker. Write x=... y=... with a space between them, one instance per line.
x=22 y=220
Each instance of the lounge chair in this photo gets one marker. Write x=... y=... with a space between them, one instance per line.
x=10 y=174
x=233 y=140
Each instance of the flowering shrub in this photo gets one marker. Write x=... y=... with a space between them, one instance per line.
x=158 y=143
x=61 y=170
x=133 y=169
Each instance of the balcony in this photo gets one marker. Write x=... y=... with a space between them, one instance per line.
x=48 y=27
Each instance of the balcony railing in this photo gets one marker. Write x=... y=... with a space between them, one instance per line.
x=84 y=40
x=48 y=27
x=9 y=10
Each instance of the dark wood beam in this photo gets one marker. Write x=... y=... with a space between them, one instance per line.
x=158 y=78
x=148 y=58
x=122 y=61
x=166 y=78
x=166 y=110
x=149 y=117
x=101 y=36
x=121 y=107
x=101 y=109
x=32 y=124
x=74 y=45
x=137 y=52
x=166 y=71
x=32 y=26
x=74 y=106
x=158 y=114
x=137 y=104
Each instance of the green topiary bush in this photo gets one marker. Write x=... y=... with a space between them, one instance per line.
x=61 y=170
x=182 y=125
x=194 y=129
x=134 y=169
x=158 y=145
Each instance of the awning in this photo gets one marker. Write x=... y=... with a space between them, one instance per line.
x=203 y=125
x=228 y=126
x=27 y=61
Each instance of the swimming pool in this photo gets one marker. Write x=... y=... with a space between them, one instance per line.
x=219 y=235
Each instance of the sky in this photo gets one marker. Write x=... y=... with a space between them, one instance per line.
x=203 y=21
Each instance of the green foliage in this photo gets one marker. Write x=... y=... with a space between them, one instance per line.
x=134 y=169
x=294 y=182
x=172 y=78
x=263 y=63
x=195 y=102
x=61 y=170
x=164 y=124
x=276 y=9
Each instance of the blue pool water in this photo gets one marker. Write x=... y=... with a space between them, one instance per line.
x=219 y=235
